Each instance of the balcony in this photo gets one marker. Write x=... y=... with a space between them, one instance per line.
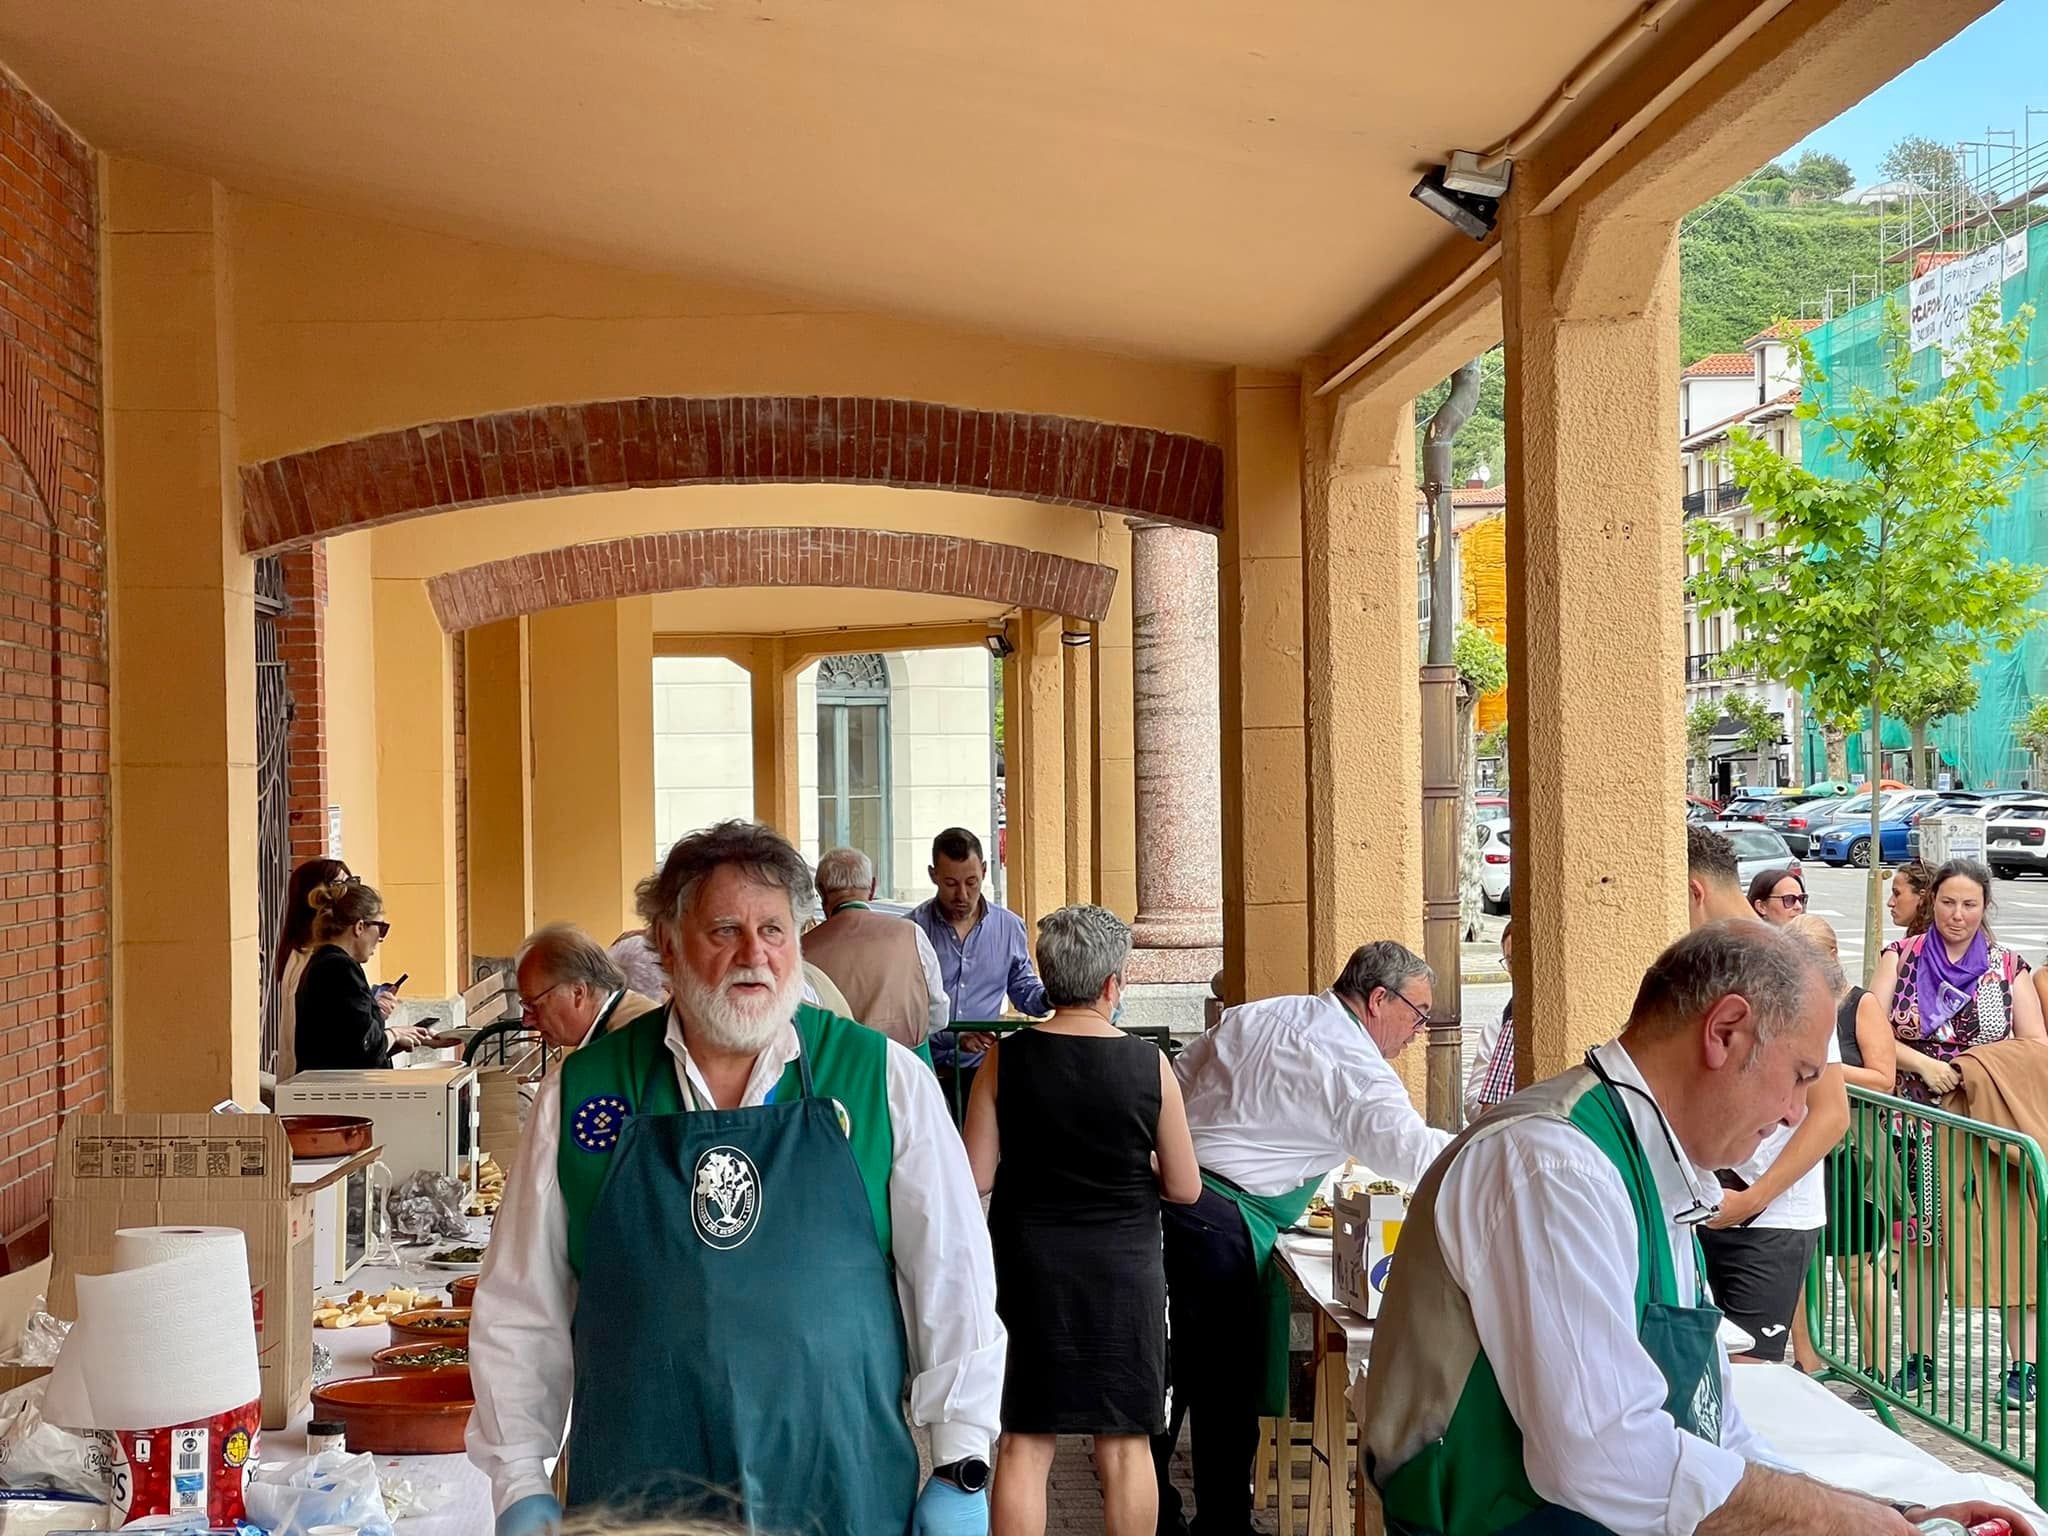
x=1730 y=495
x=1694 y=503
x=1699 y=669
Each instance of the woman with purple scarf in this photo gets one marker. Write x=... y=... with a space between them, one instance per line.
x=1946 y=990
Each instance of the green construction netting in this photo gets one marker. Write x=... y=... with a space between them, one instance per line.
x=1980 y=748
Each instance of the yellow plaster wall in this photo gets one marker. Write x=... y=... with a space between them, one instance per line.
x=1482 y=561
x=353 y=326
x=416 y=788
x=500 y=789
x=351 y=663
x=590 y=676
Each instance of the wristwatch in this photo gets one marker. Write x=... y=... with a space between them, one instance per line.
x=969 y=1474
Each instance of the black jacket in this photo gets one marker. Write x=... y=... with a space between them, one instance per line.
x=340 y=1028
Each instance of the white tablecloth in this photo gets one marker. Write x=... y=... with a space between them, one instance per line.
x=1308 y=1259
x=467 y=1511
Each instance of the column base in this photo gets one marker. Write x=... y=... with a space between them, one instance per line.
x=1173 y=965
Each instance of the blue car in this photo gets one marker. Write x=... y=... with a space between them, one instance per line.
x=1848 y=842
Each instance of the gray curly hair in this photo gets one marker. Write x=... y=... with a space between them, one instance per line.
x=1079 y=949
x=762 y=852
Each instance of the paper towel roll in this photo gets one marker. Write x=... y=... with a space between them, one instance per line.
x=167 y=1338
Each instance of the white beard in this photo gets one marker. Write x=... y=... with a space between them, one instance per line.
x=729 y=1025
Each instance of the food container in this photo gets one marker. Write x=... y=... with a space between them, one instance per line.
x=462 y=1290
x=397 y=1359
x=420 y=1414
x=430 y=1325
x=318 y=1136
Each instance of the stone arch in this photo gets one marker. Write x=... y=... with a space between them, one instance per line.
x=667 y=440
x=702 y=559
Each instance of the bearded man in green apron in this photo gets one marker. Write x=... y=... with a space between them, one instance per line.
x=738 y=1226
x=1547 y=1359
x=1278 y=1094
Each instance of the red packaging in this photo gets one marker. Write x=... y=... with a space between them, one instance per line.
x=1992 y=1527
x=184 y=1469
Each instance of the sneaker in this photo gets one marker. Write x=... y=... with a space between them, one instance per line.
x=2019 y=1386
x=1917 y=1376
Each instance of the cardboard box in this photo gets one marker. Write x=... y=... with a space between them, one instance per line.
x=1362 y=1247
x=117 y=1171
x=19 y=1293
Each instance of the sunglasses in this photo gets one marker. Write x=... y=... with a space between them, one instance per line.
x=382 y=925
x=1791 y=903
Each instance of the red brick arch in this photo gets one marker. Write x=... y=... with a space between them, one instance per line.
x=705 y=558
x=664 y=440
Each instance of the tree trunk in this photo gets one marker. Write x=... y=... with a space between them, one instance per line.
x=1836 y=739
x=1923 y=777
x=1873 y=895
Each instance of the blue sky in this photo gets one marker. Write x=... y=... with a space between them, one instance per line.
x=1983 y=78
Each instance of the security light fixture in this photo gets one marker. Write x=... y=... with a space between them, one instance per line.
x=998 y=644
x=1466 y=212
x=1469 y=172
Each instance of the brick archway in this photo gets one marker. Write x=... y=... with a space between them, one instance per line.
x=667 y=440
x=708 y=558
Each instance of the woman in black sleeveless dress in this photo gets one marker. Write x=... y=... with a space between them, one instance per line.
x=1079 y=1131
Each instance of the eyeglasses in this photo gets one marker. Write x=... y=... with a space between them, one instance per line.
x=1421 y=1013
x=532 y=1004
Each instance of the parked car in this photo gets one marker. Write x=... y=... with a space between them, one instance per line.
x=2016 y=839
x=1751 y=804
x=1697 y=809
x=1848 y=842
x=1819 y=817
x=1491 y=807
x=1494 y=866
x=1960 y=801
x=1756 y=849
x=1794 y=819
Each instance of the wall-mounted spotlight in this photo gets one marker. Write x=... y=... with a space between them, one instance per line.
x=998 y=644
x=1466 y=193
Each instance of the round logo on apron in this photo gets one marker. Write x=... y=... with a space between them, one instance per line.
x=726 y=1201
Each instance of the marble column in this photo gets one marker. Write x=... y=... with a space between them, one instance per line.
x=1179 y=932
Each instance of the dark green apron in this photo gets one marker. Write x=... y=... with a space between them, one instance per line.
x=738 y=1340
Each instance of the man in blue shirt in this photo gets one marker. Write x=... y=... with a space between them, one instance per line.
x=984 y=952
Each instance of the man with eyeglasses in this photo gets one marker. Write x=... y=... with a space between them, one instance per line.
x=1278 y=1094
x=1547 y=1357
x=570 y=990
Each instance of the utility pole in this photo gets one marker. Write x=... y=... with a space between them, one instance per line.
x=1443 y=797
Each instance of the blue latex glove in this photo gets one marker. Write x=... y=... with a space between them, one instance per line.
x=944 y=1510
x=530 y=1516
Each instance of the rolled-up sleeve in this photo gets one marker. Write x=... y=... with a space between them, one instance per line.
x=945 y=1273
x=1541 y=1239
x=521 y=1360
x=1026 y=991
x=1370 y=1110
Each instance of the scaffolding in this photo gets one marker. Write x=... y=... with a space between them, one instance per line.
x=1997 y=191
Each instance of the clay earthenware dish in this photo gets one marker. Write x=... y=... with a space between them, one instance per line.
x=318 y=1136
x=423 y=1413
x=396 y=1360
x=462 y=1290
x=431 y=1325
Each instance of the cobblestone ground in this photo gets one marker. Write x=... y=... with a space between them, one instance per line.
x=1074 y=1501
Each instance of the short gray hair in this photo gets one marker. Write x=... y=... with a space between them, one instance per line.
x=1735 y=957
x=845 y=869
x=567 y=955
x=1079 y=949
x=1382 y=963
x=761 y=852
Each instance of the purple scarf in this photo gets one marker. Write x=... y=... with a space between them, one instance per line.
x=1936 y=972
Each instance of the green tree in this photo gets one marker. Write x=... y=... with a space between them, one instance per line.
x=1816 y=176
x=1930 y=166
x=1927 y=698
x=1864 y=580
x=1482 y=663
x=1739 y=265
x=2033 y=734
x=1482 y=441
x=1762 y=726
x=1700 y=721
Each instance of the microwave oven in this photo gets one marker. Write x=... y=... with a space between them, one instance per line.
x=341 y=1214
x=425 y=1117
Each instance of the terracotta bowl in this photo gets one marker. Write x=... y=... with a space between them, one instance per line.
x=463 y=1290
x=420 y=1414
x=317 y=1136
x=431 y=1325
x=392 y=1360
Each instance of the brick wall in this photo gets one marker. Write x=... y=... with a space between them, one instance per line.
x=55 y=976
x=302 y=645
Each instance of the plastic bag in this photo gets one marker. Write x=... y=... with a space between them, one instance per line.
x=289 y=1498
x=34 y=1454
x=323 y=1363
x=41 y=1337
x=414 y=1493
x=426 y=1205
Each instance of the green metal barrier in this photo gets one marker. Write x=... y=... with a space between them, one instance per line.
x=1924 y=1291
x=950 y=1074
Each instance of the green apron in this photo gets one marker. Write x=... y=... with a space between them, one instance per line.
x=1472 y=1482
x=738 y=1341
x=1265 y=1217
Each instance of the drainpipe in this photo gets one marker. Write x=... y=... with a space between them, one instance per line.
x=1443 y=797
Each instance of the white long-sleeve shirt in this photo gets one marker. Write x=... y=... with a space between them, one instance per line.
x=1537 y=1229
x=1283 y=1090
x=521 y=1358
x=938 y=1007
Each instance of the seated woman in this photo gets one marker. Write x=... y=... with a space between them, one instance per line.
x=1079 y=1130
x=340 y=1026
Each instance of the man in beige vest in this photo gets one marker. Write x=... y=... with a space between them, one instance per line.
x=885 y=965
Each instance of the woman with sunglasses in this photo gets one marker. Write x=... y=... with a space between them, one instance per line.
x=340 y=1025
x=1777 y=895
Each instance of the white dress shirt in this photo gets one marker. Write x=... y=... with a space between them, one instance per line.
x=1482 y=1059
x=522 y=1361
x=1283 y=1090
x=938 y=1007
x=1537 y=1229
